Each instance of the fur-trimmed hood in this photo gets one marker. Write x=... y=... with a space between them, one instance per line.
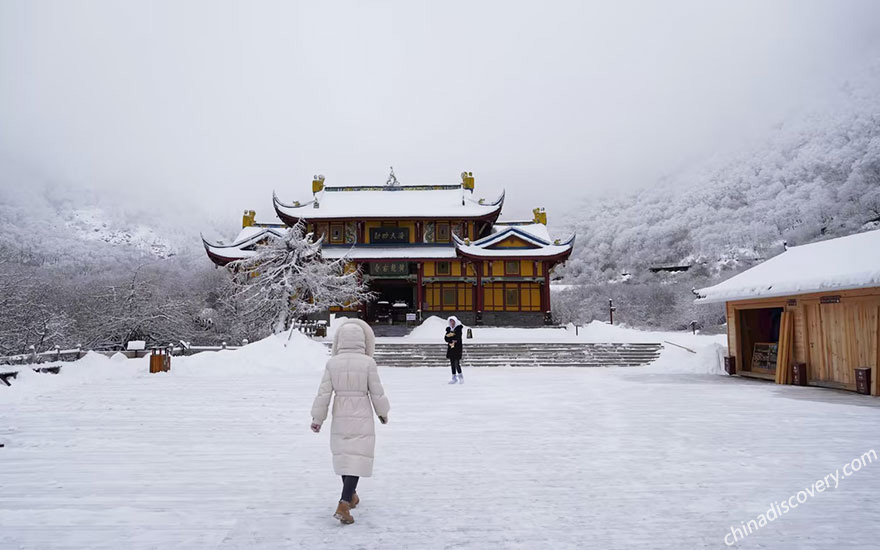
x=354 y=336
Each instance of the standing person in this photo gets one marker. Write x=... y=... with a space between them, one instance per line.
x=351 y=373
x=454 y=349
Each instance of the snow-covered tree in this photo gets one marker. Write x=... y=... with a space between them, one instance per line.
x=287 y=279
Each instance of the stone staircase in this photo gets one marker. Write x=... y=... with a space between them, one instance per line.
x=519 y=355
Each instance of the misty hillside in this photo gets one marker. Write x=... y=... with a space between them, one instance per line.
x=817 y=176
x=46 y=223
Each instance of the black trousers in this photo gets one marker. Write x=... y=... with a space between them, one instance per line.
x=349 y=484
x=456 y=366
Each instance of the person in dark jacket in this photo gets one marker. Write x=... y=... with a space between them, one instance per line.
x=453 y=348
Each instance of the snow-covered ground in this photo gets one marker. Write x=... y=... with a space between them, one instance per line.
x=218 y=454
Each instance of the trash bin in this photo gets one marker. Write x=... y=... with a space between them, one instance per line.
x=160 y=360
x=799 y=374
x=730 y=365
x=863 y=380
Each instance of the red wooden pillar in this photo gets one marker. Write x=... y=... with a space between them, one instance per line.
x=478 y=268
x=360 y=232
x=420 y=290
x=418 y=237
x=545 y=292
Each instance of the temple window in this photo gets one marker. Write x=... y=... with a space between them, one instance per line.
x=442 y=235
x=337 y=233
x=511 y=267
x=511 y=298
x=449 y=297
x=444 y=268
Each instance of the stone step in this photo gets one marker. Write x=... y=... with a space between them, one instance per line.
x=516 y=354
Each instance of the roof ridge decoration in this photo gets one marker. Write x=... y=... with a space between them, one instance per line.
x=392 y=179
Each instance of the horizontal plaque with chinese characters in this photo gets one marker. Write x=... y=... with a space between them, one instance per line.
x=389 y=268
x=389 y=235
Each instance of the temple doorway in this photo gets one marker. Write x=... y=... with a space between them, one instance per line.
x=394 y=299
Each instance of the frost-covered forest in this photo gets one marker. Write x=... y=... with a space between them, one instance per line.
x=816 y=177
x=92 y=270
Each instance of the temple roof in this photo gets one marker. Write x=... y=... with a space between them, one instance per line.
x=384 y=202
x=242 y=246
x=524 y=241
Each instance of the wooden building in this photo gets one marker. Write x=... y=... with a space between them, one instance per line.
x=424 y=250
x=816 y=305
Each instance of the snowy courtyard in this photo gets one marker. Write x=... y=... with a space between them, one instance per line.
x=218 y=454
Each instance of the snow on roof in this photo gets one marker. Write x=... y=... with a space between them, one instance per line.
x=836 y=264
x=372 y=252
x=537 y=230
x=251 y=231
x=388 y=202
x=543 y=248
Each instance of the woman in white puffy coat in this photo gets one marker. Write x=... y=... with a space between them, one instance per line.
x=351 y=373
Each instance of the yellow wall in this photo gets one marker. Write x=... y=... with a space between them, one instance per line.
x=529 y=296
x=464 y=293
x=455 y=269
x=513 y=242
x=527 y=268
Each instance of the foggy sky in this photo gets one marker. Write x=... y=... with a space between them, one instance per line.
x=215 y=104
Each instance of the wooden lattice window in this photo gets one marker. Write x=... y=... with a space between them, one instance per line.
x=442 y=235
x=444 y=268
x=511 y=298
x=511 y=267
x=449 y=297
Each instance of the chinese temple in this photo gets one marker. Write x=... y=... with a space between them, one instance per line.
x=424 y=250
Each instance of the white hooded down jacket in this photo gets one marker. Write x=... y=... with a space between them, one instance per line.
x=351 y=373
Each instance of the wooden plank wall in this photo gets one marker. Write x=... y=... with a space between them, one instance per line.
x=831 y=338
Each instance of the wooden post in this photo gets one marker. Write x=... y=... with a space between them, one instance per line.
x=478 y=268
x=419 y=289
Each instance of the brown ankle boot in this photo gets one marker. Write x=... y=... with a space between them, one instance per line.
x=354 y=501
x=342 y=512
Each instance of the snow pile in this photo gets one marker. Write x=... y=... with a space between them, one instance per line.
x=836 y=264
x=92 y=368
x=274 y=356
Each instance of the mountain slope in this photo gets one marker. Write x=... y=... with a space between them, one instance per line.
x=816 y=177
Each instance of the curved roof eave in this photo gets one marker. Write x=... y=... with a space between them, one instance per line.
x=561 y=256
